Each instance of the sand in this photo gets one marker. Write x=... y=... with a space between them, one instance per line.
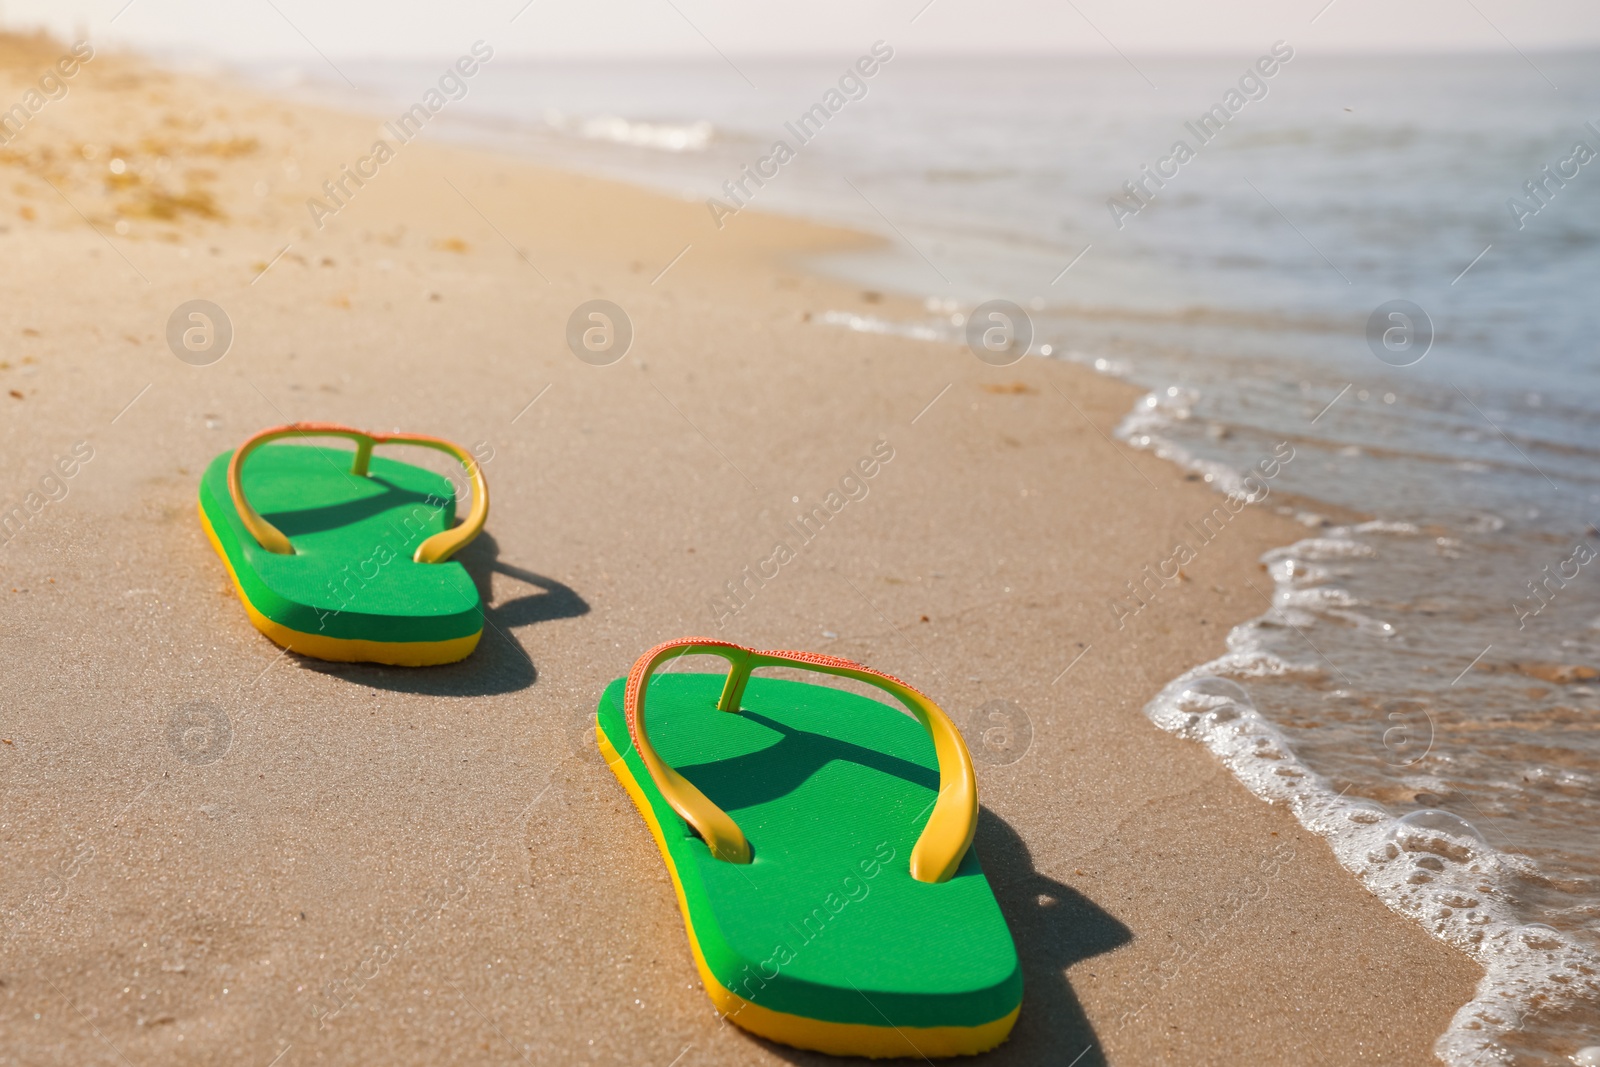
x=373 y=865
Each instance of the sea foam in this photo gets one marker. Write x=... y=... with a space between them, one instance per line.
x=1431 y=866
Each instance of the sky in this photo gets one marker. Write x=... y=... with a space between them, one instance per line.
x=295 y=31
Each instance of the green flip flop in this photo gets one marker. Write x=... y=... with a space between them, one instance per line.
x=367 y=576
x=837 y=913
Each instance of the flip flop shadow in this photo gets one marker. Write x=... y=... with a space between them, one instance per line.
x=499 y=664
x=299 y=522
x=1054 y=927
x=778 y=769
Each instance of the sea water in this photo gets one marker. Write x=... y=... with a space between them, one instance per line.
x=1420 y=683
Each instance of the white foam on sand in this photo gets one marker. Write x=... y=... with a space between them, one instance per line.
x=921 y=331
x=1431 y=866
x=673 y=137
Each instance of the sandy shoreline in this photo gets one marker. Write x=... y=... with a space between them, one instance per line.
x=435 y=864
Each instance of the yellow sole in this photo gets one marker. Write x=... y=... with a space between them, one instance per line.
x=798 y=1031
x=345 y=649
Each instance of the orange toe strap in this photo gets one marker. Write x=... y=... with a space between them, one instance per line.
x=436 y=549
x=948 y=833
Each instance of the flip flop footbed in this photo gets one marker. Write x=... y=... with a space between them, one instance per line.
x=350 y=590
x=824 y=940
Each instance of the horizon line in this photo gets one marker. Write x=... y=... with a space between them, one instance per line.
x=288 y=59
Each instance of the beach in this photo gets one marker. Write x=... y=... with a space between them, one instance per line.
x=360 y=864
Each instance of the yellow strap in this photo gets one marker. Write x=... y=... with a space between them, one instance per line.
x=948 y=833
x=436 y=549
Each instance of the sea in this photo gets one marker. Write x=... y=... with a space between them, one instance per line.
x=1387 y=264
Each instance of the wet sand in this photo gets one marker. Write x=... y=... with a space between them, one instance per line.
x=355 y=864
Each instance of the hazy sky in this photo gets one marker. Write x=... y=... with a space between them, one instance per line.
x=294 y=30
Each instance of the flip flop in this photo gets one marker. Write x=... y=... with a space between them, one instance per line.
x=836 y=914
x=366 y=577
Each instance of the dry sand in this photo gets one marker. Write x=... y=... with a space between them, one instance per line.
x=436 y=860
